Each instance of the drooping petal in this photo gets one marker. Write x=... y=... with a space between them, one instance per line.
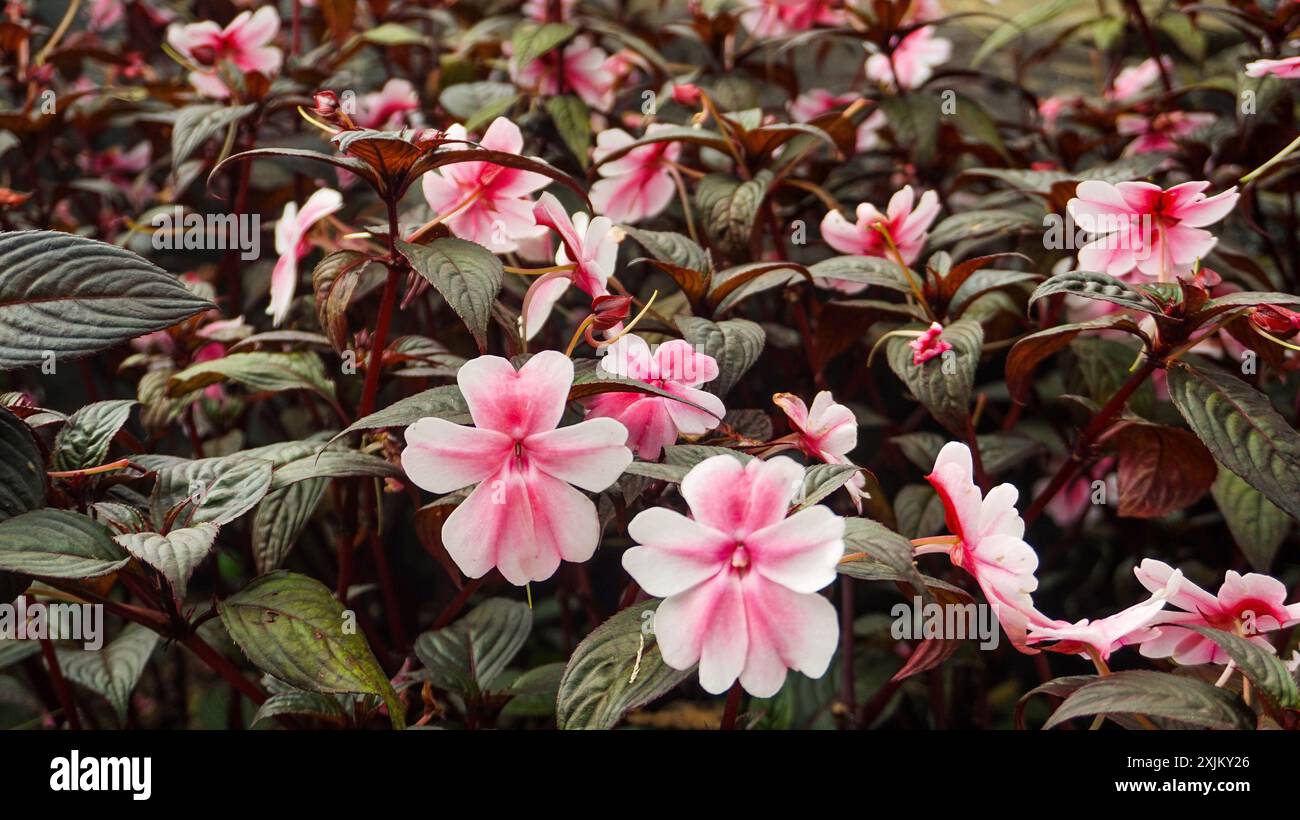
x=706 y=625
x=442 y=457
x=953 y=479
x=786 y=630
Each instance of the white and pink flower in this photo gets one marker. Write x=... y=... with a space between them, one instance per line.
x=245 y=43
x=1287 y=68
x=1105 y=635
x=654 y=422
x=387 y=108
x=901 y=227
x=292 y=245
x=987 y=541
x=1160 y=132
x=828 y=431
x=589 y=245
x=1139 y=226
x=812 y=104
x=912 y=61
x=525 y=515
x=1246 y=605
x=580 y=67
x=485 y=202
x=637 y=185
x=740 y=579
x=1134 y=80
x=772 y=18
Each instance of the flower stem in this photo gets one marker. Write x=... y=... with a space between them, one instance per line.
x=732 y=708
x=1087 y=438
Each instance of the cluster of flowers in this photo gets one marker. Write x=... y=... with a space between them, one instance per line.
x=741 y=576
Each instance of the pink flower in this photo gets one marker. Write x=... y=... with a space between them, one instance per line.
x=929 y=345
x=1140 y=226
x=291 y=243
x=739 y=578
x=638 y=184
x=812 y=104
x=1105 y=635
x=549 y=11
x=244 y=42
x=484 y=202
x=580 y=67
x=523 y=517
x=104 y=14
x=386 y=109
x=1050 y=108
x=770 y=18
x=912 y=61
x=654 y=422
x=1246 y=605
x=1288 y=68
x=828 y=432
x=1133 y=80
x=906 y=228
x=588 y=244
x=1161 y=132
x=989 y=542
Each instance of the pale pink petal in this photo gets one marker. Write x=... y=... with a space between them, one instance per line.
x=517 y=403
x=737 y=498
x=442 y=457
x=675 y=553
x=786 y=630
x=706 y=624
x=802 y=551
x=590 y=454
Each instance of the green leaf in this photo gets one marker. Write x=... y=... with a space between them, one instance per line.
x=944 y=383
x=83 y=442
x=688 y=455
x=113 y=670
x=1091 y=285
x=1257 y=663
x=532 y=41
x=196 y=124
x=915 y=119
x=615 y=669
x=468 y=656
x=393 y=34
x=1105 y=365
x=1030 y=350
x=219 y=489
x=1034 y=16
x=175 y=554
x=820 y=480
x=444 y=402
x=673 y=473
x=572 y=121
x=280 y=519
x=67 y=296
x=305 y=704
x=467 y=275
x=258 y=371
x=980 y=223
x=1241 y=429
x=22 y=469
x=728 y=208
x=975 y=122
x=1256 y=524
x=1156 y=694
x=465 y=100
x=58 y=544
x=919 y=511
x=292 y=627
x=332 y=464
x=735 y=344
x=534 y=692
x=671 y=247
x=879 y=554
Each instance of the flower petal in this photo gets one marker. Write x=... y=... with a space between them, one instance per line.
x=442 y=457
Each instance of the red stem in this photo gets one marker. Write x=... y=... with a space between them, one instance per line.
x=457 y=603
x=223 y=667
x=732 y=708
x=1086 y=439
